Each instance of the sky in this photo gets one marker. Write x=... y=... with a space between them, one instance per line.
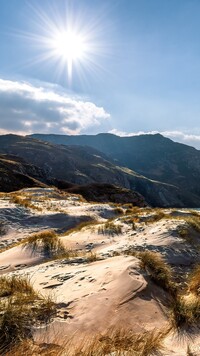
x=87 y=66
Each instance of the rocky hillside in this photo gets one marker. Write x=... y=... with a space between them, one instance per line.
x=16 y=174
x=105 y=193
x=85 y=165
x=153 y=156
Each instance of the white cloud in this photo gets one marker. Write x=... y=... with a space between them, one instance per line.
x=25 y=108
x=179 y=136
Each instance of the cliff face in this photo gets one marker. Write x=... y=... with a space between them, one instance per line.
x=86 y=165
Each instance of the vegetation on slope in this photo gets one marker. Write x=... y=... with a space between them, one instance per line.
x=20 y=308
x=47 y=242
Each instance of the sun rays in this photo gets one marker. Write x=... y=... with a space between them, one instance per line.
x=69 y=42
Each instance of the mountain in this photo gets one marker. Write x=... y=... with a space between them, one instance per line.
x=152 y=156
x=103 y=193
x=85 y=165
x=16 y=174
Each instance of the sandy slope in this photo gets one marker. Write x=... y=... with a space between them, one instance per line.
x=112 y=291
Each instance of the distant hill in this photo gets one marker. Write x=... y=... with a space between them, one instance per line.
x=152 y=156
x=85 y=165
x=16 y=174
x=104 y=193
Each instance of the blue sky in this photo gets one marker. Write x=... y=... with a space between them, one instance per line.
x=141 y=72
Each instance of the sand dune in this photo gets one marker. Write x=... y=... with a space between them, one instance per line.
x=92 y=297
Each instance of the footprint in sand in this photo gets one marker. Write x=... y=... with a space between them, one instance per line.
x=4 y=267
x=52 y=286
x=20 y=266
x=43 y=283
x=92 y=280
x=64 y=314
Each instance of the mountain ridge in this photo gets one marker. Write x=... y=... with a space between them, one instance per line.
x=153 y=156
x=85 y=165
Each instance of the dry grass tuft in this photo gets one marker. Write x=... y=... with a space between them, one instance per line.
x=186 y=304
x=110 y=229
x=191 y=223
x=118 y=211
x=92 y=257
x=185 y=311
x=13 y=284
x=116 y=342
x=20 y=308
x=189 y=352
x=158 y=269
x=46 y=242
x=183 y=232
x=158 y=215
x=194 y=281
x=80 y=226
x=123 y=342
x=25 y=202
x=14 y=323
x=2 y=228
x=194 y=222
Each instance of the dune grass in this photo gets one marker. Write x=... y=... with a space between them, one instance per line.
x=13 y=284
x=194 y=281
x=116 y=342
x=185 y=311
x=156 y=216
x=81 y=226
x=186 y=304
x=110 y=228
x=92 y=257
x=20 y=308
x=25 y=202
x=158 y=269
x=184 y=232
x=124 y=342
x=47 y=242
x=2 y=228
x=189 y=352
x=118 y=211
x=14 y=323
x=194 y=222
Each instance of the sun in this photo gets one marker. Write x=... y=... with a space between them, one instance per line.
x=69 y=46
x=69 y=41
